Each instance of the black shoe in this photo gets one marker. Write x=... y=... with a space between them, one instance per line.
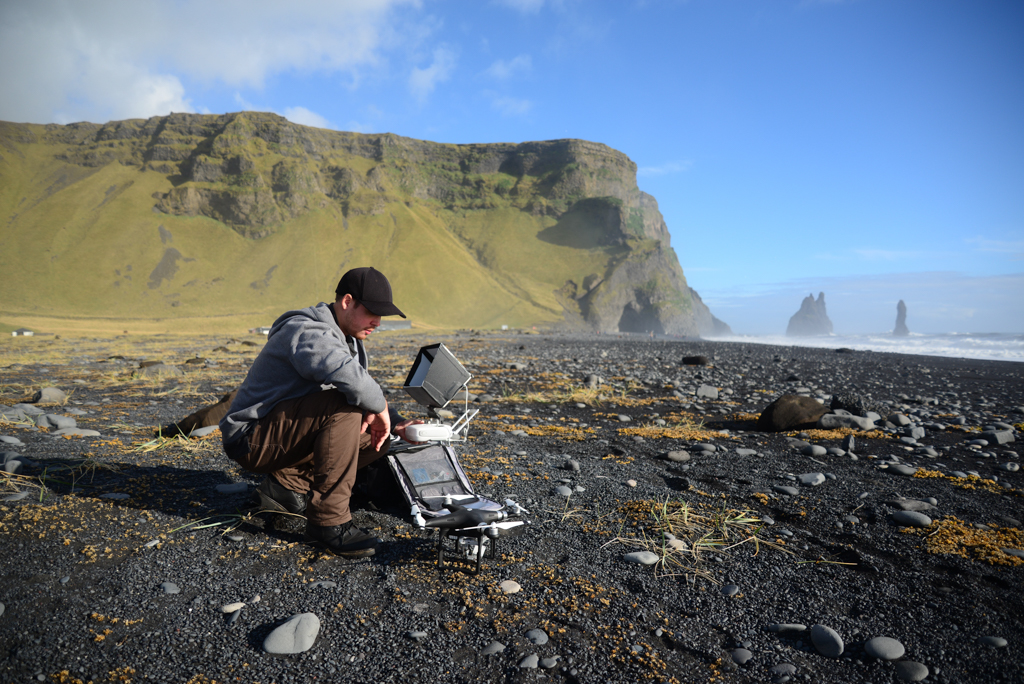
x=271 y=495
x=343 y=540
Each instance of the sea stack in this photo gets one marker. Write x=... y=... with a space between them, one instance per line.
x=901 y=329
x=811 y=319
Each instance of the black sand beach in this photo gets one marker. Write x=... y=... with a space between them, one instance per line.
x=772 y=534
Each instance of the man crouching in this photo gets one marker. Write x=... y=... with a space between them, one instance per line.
x=309 y=440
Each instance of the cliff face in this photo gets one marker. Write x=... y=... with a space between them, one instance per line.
x=707 y=324
x=540 y=232
x=811 y=319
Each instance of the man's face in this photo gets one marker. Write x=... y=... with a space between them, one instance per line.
x=354 y=319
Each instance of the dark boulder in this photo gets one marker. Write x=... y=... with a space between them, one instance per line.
x=790 y=412
x=811 y=319
x=855 y=404
x=695 y=361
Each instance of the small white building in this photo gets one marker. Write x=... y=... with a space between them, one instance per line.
x=22 y=332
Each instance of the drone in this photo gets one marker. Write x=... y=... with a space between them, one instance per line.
x=475 y=530
x=428 y=471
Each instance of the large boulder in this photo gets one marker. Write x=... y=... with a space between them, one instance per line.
x=790 y=412
x=811 y=319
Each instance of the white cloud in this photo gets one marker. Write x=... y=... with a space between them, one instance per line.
x=664 y=169
x=1013 y=248
x=305 y=117
x=503 y=70
x=524 y=6
x=131 y=58
x=423 y=81
x=511 y=106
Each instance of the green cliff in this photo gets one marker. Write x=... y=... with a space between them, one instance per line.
x=192 y=216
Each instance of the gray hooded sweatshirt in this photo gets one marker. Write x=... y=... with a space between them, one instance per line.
x=305 y=350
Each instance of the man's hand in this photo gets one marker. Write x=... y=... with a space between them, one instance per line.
x=379 y=425
x=400 y=429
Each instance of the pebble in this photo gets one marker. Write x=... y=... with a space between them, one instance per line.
x=901 y=469
x=884 y=648
x=741 y=656
x=813 y=450
x=910 y=671
x=811 y=479
x=911 y=519
x=631 y=483
x=15 y=497
x=730 y=590
x=548 y=663
x=537 y=637
x=562 y=490
x=529 y=662
x=827 y=641
x=2 y=609
x=746 y=452
x=709 y=448
x=232 y=607
x=116 y=496
x=641 y=557
x=13 y=441
x=170 y=588
x=783 y=489
x=50 y=395
x=787 y=628
x=493 y=648
x=623 y=418
x=323 y=584
x=510 y=587
x=1010 y=467
x=783 y=669
x=678 y=456
x=417 y=635
x=993 y=641
x=74 y=432
x=233 y=488
x=912 y=505
x=203 y=431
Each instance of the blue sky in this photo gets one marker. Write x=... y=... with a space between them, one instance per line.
x=870 y=149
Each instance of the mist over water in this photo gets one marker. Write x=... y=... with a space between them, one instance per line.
x=989 y=346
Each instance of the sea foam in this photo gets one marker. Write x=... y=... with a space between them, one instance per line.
x=988 y=346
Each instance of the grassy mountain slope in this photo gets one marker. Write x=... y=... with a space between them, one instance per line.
x=221 y=221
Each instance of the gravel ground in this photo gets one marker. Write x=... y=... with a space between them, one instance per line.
x=783 y=564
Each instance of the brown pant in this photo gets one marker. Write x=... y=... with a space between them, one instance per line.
x=313 y=444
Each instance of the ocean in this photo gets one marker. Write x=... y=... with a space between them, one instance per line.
x=989 y=346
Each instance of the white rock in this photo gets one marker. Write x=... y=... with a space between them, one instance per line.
x=295 y=635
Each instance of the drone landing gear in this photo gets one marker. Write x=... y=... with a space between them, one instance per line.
x=469 y=545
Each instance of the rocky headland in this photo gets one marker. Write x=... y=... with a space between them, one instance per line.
x=811 y=320
x=868 y=529
x=901 y=329
x=178 y=214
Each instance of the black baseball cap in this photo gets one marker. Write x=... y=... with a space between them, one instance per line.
x=369 y=287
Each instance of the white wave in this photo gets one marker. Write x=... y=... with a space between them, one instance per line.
x=988 y=346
